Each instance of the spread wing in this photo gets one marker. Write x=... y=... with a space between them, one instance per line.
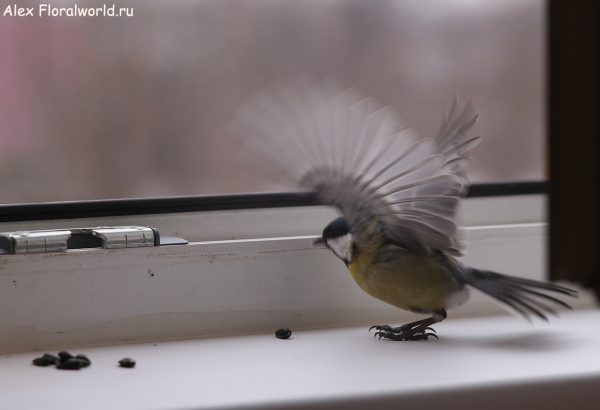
x=358 y=155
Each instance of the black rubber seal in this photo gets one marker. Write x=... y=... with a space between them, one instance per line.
x=167 y=205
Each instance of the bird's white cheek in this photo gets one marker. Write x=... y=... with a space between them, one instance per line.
x=342 y=247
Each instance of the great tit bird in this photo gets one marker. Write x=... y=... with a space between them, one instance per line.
x=399 y=197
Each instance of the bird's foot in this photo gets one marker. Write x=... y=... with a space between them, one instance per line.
x=410 y=331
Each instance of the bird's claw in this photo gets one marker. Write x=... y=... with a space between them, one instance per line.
x=406 y=336
x=385 y=328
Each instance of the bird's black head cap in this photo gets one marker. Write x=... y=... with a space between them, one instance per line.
x=336 y=228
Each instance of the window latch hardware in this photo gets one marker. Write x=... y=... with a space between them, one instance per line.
x=107 y=237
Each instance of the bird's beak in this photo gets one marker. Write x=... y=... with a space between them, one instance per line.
x=319 y=241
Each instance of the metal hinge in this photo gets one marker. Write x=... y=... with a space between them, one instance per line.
x=107 y=237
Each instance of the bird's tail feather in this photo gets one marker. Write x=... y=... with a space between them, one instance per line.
x=525 y=296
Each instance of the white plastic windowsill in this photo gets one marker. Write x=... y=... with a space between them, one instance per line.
x=252 y=271
x=492 y=363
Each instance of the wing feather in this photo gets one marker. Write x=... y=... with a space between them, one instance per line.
x=358 y=155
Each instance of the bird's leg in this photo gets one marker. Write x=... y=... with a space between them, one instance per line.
x=411 y=331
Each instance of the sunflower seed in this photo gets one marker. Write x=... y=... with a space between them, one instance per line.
x=127 y=362
x=51 y=358
x=42 y=361
x=70 y=364
x=84 y=360
x=283 y=333
x=64 y=356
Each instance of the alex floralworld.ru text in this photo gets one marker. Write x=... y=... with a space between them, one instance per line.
x=74 y=11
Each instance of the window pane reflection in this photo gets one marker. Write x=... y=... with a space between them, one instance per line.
x=114 y=107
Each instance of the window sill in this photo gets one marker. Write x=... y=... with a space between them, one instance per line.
x=492 y=363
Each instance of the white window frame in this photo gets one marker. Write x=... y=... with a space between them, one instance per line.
x=244 y=271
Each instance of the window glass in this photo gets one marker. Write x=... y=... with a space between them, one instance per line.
x=101 y=106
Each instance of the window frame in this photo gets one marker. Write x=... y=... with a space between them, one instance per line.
x=252 y=257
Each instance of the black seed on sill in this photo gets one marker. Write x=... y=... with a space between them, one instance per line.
x=51 y=358
x=42 y=361
x=70 y=364
x=85 y=362
x=283 y=333
x=127 y=362
x=64 y=356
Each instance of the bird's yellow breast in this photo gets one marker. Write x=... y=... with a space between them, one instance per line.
x=410 y=281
